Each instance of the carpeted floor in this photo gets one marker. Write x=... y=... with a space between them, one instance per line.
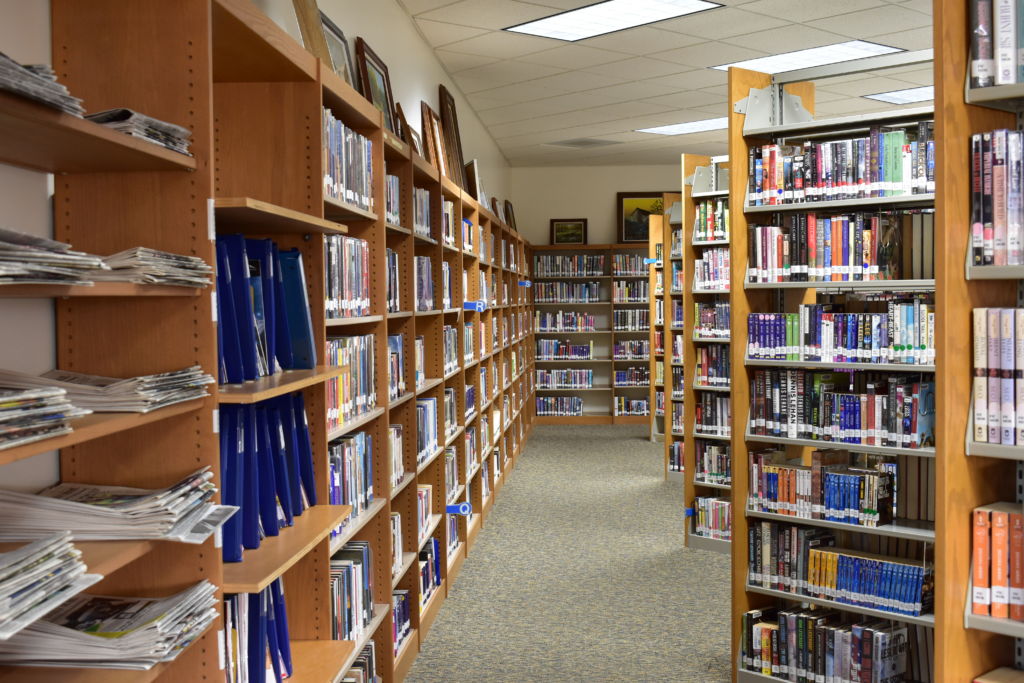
x=580 y=575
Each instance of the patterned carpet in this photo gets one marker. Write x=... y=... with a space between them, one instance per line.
x=580 y=575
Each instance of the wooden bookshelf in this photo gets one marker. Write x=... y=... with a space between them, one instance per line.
x=228 y=73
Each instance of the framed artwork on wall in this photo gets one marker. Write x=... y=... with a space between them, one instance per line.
x=568 y=231
x=634 y=209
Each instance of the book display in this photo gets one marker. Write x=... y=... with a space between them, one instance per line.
x=593 y=327
x=310 y=393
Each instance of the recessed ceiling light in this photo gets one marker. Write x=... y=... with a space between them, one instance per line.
x=815 y=56
x=908 y=96
x=688 y=127
x=608 y=17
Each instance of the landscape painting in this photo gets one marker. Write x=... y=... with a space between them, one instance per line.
x=634 y=210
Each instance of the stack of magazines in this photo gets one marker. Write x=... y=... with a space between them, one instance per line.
x=26 y=259
x=114 y=632
x=28 y=415
x=37 y=82
x=38 y=577
x=182 y=512
x=111 y=395
x=139 y=125
x=154 y=267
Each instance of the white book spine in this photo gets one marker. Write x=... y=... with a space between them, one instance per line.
x=1005 y=16
x=980 y=375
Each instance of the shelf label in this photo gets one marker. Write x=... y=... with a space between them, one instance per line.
x=211 y=220
x=650 y=261
x=689 y=512
x=460 y=509
x=478 y=306
x=525 y=283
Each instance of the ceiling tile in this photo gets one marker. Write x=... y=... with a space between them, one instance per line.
x=636 y=67
x=456 y=61
x=787 y=39
x=573 y=57
x=439 y=33
x=914 y=39
x=709 y=54
x=689 y=99
x=575 y=81
x=872 y=22
x=695 y=79
x=492 y=14
x=536 y=108
x=415 y=7
x=866 y=86
x=525 y=92
x=854 y=105
x=481 y=102
x=636 y=90
x=799 y=11
x=918 y=77
x=722 y=23
x=500 y=74
x=642 y=40
x=501 y=44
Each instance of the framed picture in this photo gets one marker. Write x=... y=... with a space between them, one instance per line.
x=452 y=140
x=634 y=209
x=433 y=140
x=510 y=216
x=376 y=83
x=474 y=186
x=409 y=136
x=568 y=231
x=338 y=52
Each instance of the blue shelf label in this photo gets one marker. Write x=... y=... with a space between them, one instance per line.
x=525 y=283
x=478 y=306
x=690 y=512
x=650 y=261
x=460 y=509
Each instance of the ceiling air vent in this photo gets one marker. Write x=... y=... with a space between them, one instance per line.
x=583 y=143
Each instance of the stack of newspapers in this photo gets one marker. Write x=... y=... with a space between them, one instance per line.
x=112 y=395
x=183 y=512
x=139 y=125
x=153 y=267
x=34 y=414
x=36 y=578
x=37 y=82
x=114 y=632
x=26 y=259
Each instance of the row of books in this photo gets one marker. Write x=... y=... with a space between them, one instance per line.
x=393 y=199
x=351 y=572
x=711 y=319
x=678 y=418
x=255 y=639
x=637 y=376
x=553 y=349
x=713 y=517
x=631 y=320
x=888 y=162
x=678 y=276
x=631 y=349
x=830 y=488
x=997 y=207
x=817 y=643
x=423 y=283
x=711 y=269
x=350 y=472
x=860 y=246
x=421 y=216
x=630 y=291
x=712 y=414
x=469 y=235
x=401 y=619
x=997 y=546
x=564 y=321
x=631 y=406
x=267 y=469
x=853 y=408
x=804 y=561
x=903 y=333
x=998 y=383
x=353 y=392
x=711 y=224
x=569 y=378
x=394 y=281
x=677 y=314
x=347 y=163
x=424 y=508
x=576 y=265
x=364 y=667
x=451 y=474
x=997 y=38
x=451 y=414
x=565 y=406
x=675 y=457
x=396 y=453
x=659 y=342
x=430 y=569
x=712 y=367
x=396 y=366
x=426 y=428
x=626 y=265
x=678 y=382
x=450 y=344
x=264 y=323
x=678 y=344
x=397 y=561
x=713 y=462
x=567 y=292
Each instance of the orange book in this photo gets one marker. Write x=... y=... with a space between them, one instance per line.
x=981 y=596
x=1017 y=566
x=1000 y=557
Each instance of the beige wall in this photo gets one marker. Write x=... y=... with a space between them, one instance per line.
x=415 y=74
x=542 y=193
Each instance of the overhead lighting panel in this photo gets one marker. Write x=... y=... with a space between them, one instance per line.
x=689 y=127
x=814 y=56
x=608 y=17
x=908 y=96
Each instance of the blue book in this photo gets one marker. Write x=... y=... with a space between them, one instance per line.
x=272 y=643
x=296 y=307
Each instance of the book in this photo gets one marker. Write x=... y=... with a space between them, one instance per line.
x=351 y=584
x=347 y=160
x=998 y=376
x=982 y=70
x=713 y=517
x=997 y=580
x=575 y=265
x=997 y=206
x=353 y=392
x=350 y=473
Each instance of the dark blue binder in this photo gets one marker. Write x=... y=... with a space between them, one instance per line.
x=305 y=452
x=290 y=446
x=257 y=654
x=272 y=637
x=296 y=305
x=232 y=480
x=279 y=455
x=263 y=251
x=282 y=334
x=238 y=267
x=267 y=496
x=281 y=621
x=227 y=321
x=250 y=478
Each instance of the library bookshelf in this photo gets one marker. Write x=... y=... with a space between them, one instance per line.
x=656 y=333
x=942 y=509
x=229 y=74
x=599 y=400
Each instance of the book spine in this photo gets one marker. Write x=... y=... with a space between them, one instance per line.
x=981 y=594
x=1016 y=520
x=981 y=375
x=982 y=57
x=993 y=375
x=1005 y=20
x=999 y=556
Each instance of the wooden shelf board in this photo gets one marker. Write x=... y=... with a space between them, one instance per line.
x=397 y=228
x=547 y=333
x=709 y=387
x=821 y=365
x=345 y=322
x=839 y=445
x=715 y=545
x=572 y=360
x=406 y=654
x=429 y=531
x=276 y=385
x=710 y=340
x=433 y=457
x=321 y=661
x=395 y=402
x=924 y=620
x=343 y=210
x=96 y=426
x=347 y=104
x=408 y=560
x=106 y=557
x=397 y=315
x=995 y=272
x=100 y=289
x=423 y=171
x=43 y=139
x=355 y=423
x=902 y=200
x=541 y=389
x=356 y=524
x=277 y=554
x=712 y=193
x=454 y=435
x=902 y=529
x=394 y=148
x=429 y=384
x=711 y=437
x=249 y=47
x=254 y=217
x=429 y=609
x=400 y=486
x=851 y=286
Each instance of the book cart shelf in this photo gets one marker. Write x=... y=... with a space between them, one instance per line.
x=683 y=344
x=229 y=74
x=915 y=541
x=598 y=400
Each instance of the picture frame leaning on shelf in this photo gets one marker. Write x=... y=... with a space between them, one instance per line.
x=373 y=73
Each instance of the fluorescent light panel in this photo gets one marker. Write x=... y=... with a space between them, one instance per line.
x=689 y=127
x=908 y=96
x=815 y=56
x=608 y=17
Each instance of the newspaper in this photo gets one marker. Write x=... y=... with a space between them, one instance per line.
x=27 y=259
x=153 y=267
x=37 y=82
x=138 y=125
x=33 y=414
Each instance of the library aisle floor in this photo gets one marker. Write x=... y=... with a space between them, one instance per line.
x=580 y=575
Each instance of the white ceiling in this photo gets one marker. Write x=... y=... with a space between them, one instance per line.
x=532 y=91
